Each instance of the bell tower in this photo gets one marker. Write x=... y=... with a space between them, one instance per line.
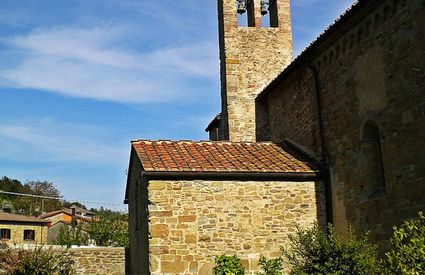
x=255 y=42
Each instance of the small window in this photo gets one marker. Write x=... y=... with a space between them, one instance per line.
x=374 y=181
x=273 y=14
x=29 y=235
x=5 y=234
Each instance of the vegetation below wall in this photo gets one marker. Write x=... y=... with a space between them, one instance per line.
x=106 y=230
x=37 y=260
x=318 y=251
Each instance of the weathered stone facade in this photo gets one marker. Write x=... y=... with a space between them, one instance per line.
x=191 y=222
x=250 y=57
x=370 y=68
x=17 y=232
x=98 y=260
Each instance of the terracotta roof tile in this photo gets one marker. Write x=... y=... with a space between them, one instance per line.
x=8 y=217
x=219 y=156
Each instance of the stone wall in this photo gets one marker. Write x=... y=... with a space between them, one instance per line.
x=17 y=232
x=292 y=112
x=191 y=222
x=250 y=58
x=99 y=260
x=371 y=69
x=90 y=260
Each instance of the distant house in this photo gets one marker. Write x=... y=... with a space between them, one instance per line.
x=18 y=229
x=65 y=215
x=82 y=212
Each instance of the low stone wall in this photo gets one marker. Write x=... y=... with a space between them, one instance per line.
x=92 y=260
x=99 y=260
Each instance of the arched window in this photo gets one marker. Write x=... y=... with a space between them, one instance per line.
x=373 y=170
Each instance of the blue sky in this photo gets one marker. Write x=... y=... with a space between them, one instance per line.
x=80 y=79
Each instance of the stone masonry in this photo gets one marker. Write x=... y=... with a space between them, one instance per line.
x=250 y=57
x=191 y=222
x=17 y=233
x=371 y=68
x=99 y=260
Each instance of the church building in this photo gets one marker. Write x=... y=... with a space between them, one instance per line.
x=335 y=136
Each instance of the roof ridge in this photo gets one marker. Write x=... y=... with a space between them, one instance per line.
x=202 y=141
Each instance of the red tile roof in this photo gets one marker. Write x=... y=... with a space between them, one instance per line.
x=8 y=217
x=219 y=156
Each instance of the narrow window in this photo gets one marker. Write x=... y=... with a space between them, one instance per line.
x=5 y=234
x=273 y=15
x=29 y=235
x=246 y=13
x=374 y=184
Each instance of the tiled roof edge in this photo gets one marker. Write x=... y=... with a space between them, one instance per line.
x=226 y=175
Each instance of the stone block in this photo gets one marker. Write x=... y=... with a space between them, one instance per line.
x=157 y=185
x=190 y=238
x=173 y=267
x=188 y=218
x=159 y=230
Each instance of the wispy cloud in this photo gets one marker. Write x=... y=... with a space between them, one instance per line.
x=92 y=63
x=50 y=141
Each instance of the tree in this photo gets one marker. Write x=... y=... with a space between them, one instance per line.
x=317 y=251
x=48 y=189
x=107 y=231
x=29 y=204
x=68 y=204
x=71 y=235
x=407 y=253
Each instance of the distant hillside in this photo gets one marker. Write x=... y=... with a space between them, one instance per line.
x=28 y=205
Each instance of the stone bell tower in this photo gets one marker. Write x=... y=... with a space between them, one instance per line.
x=251 y=57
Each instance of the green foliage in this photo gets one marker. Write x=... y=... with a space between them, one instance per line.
x=35 y=261
x=71 y=235
x=271 y=266
x=407 y=254
x=42 y=188
x=107 y=231
x=314 y=251
x=228 y=265
x=68 y=204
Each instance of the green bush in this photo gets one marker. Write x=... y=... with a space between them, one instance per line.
x=35 y=261
x=271 y=266
x=407 y=254
x=228 y=265
x=315 y=251
x=71 y=235
x=109 y=231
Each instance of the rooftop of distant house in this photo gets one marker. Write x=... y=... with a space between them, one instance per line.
x=8 y=217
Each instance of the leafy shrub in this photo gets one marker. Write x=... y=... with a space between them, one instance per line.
x=407 y=254
x=35 y=261
x=109 y=232
x=228 y=265
x=71 y=235
x=314 y=251
x=271 y=266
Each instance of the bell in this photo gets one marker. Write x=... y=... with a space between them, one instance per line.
x=241 y=7
x=264 y=9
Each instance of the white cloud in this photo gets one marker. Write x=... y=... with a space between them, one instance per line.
x=50 y=141
x=94 y=63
